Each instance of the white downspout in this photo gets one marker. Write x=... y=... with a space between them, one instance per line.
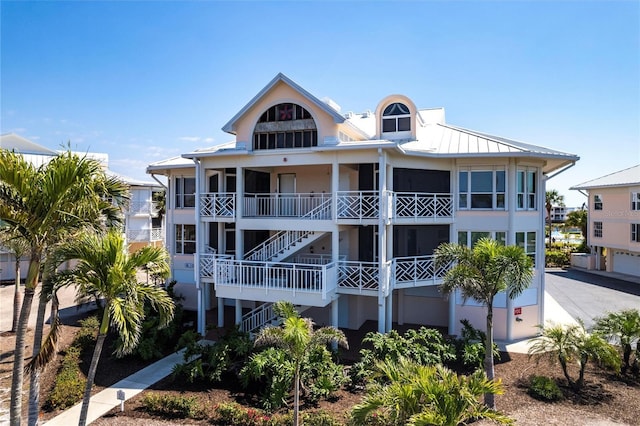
x=199 y=250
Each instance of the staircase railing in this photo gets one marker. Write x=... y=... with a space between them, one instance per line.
x=276 y=244
x=257 y=318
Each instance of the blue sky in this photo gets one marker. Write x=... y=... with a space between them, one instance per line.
x=148 y=80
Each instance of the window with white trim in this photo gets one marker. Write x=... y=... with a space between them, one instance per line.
x=597 y=202
x=527 y=240
x=526 y=186
x=396 y=118
x=185 y=239
x=635 y=232
x=185 y=192
x=481 y=189
x=597 y=229
x=635 y=201
x=470 y=238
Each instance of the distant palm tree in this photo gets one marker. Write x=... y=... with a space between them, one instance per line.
x=552 y=198
x=105 y=268
x=18 y=247
x=480 y=273
x=297 y=338
x=42 y=203
x=578 y=218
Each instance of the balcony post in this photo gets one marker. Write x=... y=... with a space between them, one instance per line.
x=238 y=311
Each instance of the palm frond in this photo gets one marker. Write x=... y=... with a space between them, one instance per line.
x=48 y=349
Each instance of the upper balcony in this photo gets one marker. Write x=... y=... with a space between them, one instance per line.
x=145 y=235
x=350 y=206
x=143 y=208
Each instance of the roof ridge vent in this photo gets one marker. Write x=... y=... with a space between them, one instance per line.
x=348 y=115
x=331 y=103
x=366 y=114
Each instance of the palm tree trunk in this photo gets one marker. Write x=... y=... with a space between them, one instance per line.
x=34 y=386
x=17 y=298
x=489 y=398
x=296 y=398
x=92 y=374
x=15 y=411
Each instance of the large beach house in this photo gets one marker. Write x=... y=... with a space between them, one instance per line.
x=339 y=213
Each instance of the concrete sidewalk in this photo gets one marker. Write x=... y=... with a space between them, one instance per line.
x=102 y=402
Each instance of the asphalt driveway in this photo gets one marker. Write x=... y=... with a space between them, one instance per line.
x=585 y=295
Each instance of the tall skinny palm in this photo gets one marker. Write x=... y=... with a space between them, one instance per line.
x=18 y=247
x=42 y=203
x=105 y=268
x=480 y=274
x=298 y=338
x=552 y=197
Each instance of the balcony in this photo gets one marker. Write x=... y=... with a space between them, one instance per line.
x=312 y=283
x=145 y=235
x=352 y=207
x=304 y=284
x=143 y=208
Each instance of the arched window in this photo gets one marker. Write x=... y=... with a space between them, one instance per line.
x=285 y=125
x=396 y=118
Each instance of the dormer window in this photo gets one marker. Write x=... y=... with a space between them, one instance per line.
x=396 y=118
x=285 y=125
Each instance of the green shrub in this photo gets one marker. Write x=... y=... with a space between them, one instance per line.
x=544 y=389
x=69 y=384
x=231 y=413
x=268 y=374
x=174 y=406
x=425 y=346
x=319 y=418
x=85 y=338
x=470 y=346
x=557 y=258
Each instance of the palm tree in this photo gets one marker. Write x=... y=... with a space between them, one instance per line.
x=42 y=203
x=623 y=327
x=298 y=338
x=578 y=218
x=552 y=197
x=18 y=247
x=420 y=395
x=572 y=343
x=481 y=273
x=105 y=268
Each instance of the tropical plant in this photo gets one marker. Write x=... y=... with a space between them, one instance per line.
x=106 y=268
x=623 y=328
x=552 y=198
x=414 y=394
x=297 y=338
x=480 y=273
x=424 y=346
x=578 y=218
x=572 y=343
x=470 y=346
x=544 y=388
x=42 y=203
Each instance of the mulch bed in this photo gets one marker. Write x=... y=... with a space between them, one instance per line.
x=607 y=399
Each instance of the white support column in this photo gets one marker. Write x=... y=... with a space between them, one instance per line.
x=452 y=313
x=238 y=311
x=220 y=312
x=335 y=312
x=239 y=212
x=202 y=307
x=540 y=244
x=512 y=200
x=389 y=313
x=335 y=187
x=382 y=243
x=401 y=307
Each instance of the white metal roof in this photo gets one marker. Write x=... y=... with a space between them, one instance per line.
x=164 y=166
x=626 y=177
x=132 y=181
x=21 y=145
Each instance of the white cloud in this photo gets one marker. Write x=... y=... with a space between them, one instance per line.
x=190 y=138
x=209 y=140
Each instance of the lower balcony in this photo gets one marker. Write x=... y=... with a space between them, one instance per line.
x=145 y=235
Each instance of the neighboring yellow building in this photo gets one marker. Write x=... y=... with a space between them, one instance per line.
x=614 y=221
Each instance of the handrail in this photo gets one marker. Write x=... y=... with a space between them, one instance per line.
x=297 y=205
x=276 y=244
x=218 y=204
x=415 y=269
x=358 y=204
x=421 y=205
x=257 y=318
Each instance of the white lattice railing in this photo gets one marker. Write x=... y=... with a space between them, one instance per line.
x=358 y=204
x=208 y=263
x=144 y=235
x=289 y=277
x=283 y=205
x=359 y=276
x=421 y=205
x=276 y=244
x=143 y=207
x=315 y=259
x=257 y=318
x=218 y=204
x=417 y=271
